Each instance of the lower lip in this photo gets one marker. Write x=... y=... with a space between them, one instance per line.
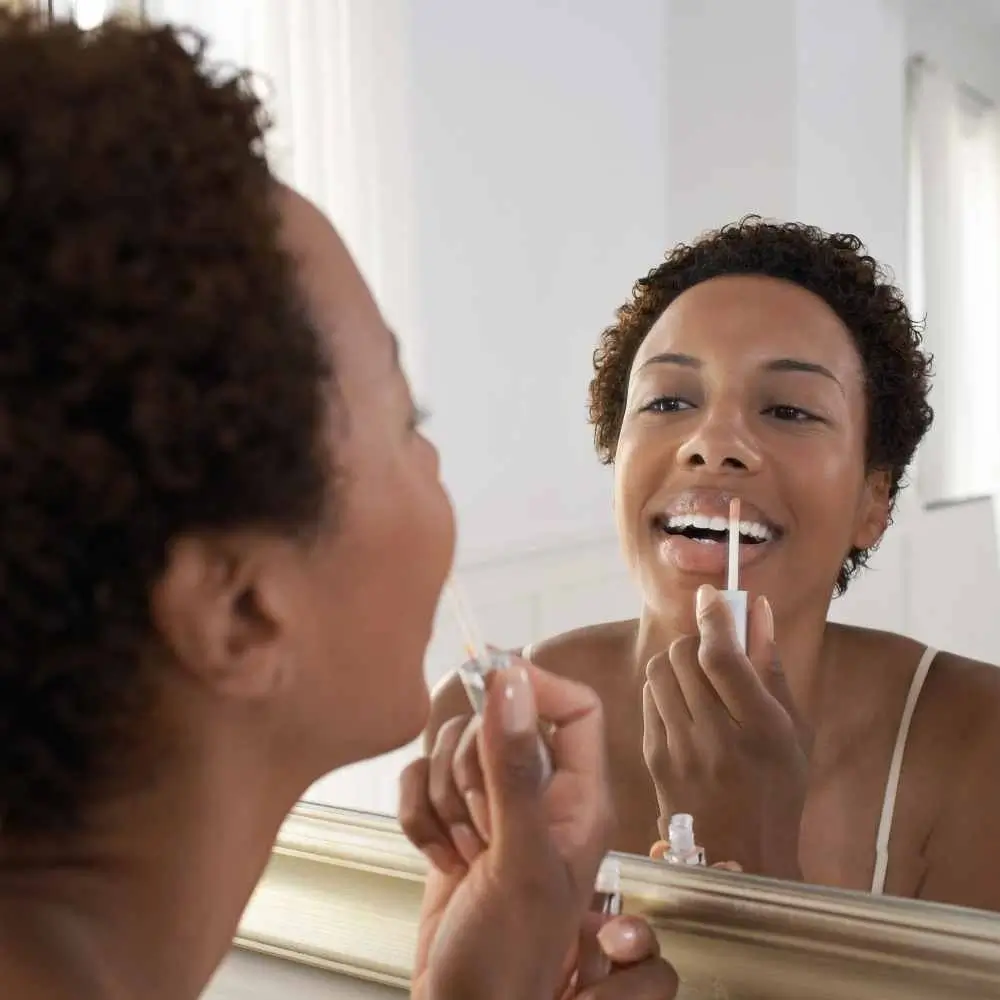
x=707 y=558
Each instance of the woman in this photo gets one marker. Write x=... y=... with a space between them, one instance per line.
x=217 y=503
x=777 y=365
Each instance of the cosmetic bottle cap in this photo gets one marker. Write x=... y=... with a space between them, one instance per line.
x=680 y=833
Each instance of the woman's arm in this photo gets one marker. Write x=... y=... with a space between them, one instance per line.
x=962 y=850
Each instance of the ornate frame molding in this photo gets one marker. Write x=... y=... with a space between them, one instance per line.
x=343 y=891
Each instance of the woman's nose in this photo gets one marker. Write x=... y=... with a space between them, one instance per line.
x=720 y=443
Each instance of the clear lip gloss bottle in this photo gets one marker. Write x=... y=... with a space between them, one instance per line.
x=683 y=849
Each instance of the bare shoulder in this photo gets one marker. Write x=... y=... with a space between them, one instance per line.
x=951 y=759
x=890 y=649
x=963 y=710
x=958 y=691
x=578 y=653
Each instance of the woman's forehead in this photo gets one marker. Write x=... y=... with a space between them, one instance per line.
x=752 y=318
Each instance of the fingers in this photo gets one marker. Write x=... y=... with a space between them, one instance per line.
x=606 y=942
x=512 y=769
x=653 y=979
x=667 y=722
x=467 y=772
x=659 y=850
x=728 y=866
x=419 y=819
x=627 y=940
x=725 y=665
x=575 y=722
x=668 y=695
x=702 y=699
x=766 y=662
x=655 y=746
x=445 y=796
x=592 y=965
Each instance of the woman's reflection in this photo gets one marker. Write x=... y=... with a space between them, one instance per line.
x=776 y=364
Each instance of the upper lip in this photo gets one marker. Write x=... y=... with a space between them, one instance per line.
x=714 y=503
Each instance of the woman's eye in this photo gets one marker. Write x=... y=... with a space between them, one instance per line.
x=666 y=404
x=793 y=414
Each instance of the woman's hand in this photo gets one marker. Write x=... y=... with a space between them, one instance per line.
x=505 y=908
x=620 y=960
x=723 y=741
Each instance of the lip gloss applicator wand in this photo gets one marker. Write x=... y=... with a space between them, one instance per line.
x=732 y=595
x=480 y=663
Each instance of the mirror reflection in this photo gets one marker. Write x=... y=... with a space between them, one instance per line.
x=720 y=243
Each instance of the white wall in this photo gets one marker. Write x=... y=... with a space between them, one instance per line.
x=559 y=149
x=539 y=164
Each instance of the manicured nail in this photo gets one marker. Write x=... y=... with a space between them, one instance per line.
x=617 y=936
x=706 y=597
x=479 y=810
x=768 y=618
x=519 y=713
x=466 y=841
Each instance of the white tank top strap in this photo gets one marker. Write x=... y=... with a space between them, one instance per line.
x=895 y=768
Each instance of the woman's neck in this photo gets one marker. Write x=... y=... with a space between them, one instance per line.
x=147 y=903
x=800 y=641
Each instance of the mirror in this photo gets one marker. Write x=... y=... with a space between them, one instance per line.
x=504 y=174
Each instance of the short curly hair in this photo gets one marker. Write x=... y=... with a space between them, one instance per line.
x=836 y=268
x=159 y=375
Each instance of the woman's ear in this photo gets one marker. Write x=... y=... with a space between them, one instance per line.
x=212 y=611
x=873 y=513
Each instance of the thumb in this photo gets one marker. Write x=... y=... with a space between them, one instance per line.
x=510 y=750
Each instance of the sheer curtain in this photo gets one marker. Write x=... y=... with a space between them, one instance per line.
x=955 y=279
x=333 y=73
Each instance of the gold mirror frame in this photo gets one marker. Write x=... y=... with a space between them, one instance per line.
x=343 y=889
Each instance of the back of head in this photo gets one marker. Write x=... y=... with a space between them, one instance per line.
x=157 y=376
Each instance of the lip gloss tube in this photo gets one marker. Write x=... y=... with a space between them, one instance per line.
x=480 y=664
x=732 y=595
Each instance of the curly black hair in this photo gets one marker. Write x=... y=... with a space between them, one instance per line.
x=159 y=375
x=836 y=268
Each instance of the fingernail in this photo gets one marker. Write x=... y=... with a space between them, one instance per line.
x=768 y=618
x=706 y=597
x=465 y=839
x=617 y=936
x=479 y=810
x=519 y=714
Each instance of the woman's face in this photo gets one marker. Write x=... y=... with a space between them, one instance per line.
x=368 y=588
x=745 y=387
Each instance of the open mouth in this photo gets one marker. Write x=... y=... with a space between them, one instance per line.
x=701 y=528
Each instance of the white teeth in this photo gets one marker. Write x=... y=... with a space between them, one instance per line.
x=750 y=529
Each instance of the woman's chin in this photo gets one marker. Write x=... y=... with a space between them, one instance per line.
x=401 y=721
